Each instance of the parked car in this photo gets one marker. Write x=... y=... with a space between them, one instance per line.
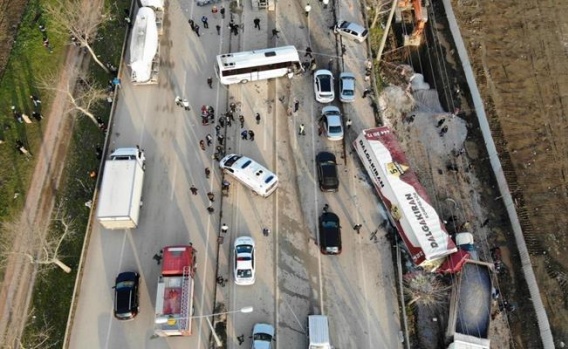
x=262 y=336
x=331 y=120
x=323 y=86
x=351 y=30
x=330 y=233
x=244 y=261
x=327 y=171
x=126 y=295
x=346 y=87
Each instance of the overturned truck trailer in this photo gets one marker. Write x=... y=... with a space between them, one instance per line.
x=405 y=198
x=144 y=44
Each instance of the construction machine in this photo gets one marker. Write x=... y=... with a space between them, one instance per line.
x=404 y=14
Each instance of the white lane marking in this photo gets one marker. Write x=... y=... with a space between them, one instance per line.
x=119 y=266
x=276 y=220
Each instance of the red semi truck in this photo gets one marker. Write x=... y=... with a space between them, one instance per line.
x=409 y=207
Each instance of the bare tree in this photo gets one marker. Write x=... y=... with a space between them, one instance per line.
x=80 y=19
x=377 y=9
x=425 y=289
x=82 y=93
x=39 y=247
x=40 y=339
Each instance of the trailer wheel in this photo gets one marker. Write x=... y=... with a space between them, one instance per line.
x=244 y=81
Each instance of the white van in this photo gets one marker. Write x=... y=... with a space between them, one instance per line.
x=250 y=173
x=318 y=330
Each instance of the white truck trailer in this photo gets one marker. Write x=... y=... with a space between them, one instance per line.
x=144 y=43
x=120 y=195
x=406 y=200
x=318 y=332
x=174 y=297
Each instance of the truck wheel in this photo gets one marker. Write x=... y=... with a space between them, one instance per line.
x=244 y=81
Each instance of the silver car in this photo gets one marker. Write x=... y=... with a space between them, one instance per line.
x=346 y=87
x=331 y=120
x=351 y=30
x=323 y=86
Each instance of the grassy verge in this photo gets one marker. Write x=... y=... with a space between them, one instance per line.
x=28 y=60
x=53 y=291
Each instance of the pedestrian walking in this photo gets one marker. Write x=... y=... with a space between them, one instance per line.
x=302 y=130
x=196 y=30
x=367 y=92
x=241 y=339
x=443 y=131
x=296 y=105
x=211 y=196
x=251 y=135
x=411 y=118
x=185 y=104
x=224 y=228
x=191 y=24
x=222 y=11
x=275 y=33
x=244 y=135
x=357 y=228
x=158 y=258
x=228 y=119
x=325 y=208
x=210 y=209
x=210 y=82
x=217 y=130
x=220 y=139
x=205 y=22
x=257 y=118
x=202 y=144
x=343 y=50
x=218 y=27
x=207 y=172
x=257 y=23
x=35 y=100
x=308 y=52
x=348 y=123
x=242 y=120
x=265 y=231
x=222 y=121
x=209 y=139
x=440 y=122
x=193 y=189
x=313 y=66
x=178 y=101
x=307 y=9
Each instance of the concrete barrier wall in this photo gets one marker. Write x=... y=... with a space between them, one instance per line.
x=544 y=326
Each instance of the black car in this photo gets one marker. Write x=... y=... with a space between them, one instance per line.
x=126 y=295
x=330 y=233
x=327 y=171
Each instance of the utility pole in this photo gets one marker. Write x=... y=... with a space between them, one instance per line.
x=387 y=29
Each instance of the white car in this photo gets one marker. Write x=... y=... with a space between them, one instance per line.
x=262 y=336
x=346 y=87
x=244 y=261
x=323 y=86
x=331 y=120
x=351 y=30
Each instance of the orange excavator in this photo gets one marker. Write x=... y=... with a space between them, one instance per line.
x=405 y=8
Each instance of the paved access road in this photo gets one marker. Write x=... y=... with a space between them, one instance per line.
x=355 y=289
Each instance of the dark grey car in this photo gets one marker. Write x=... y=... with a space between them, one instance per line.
x=327 y=171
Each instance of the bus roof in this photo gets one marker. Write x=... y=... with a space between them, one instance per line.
x=256 y=57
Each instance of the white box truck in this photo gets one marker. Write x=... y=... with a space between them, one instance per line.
x=120 y=195
x=318 y=331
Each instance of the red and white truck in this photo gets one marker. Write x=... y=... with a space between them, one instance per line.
x=174 y=299
x=409 y=207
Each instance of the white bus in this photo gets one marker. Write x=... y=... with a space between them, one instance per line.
x=254 y=65
x=250 y=173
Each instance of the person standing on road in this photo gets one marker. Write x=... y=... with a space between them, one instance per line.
x=207 y=172
x=244 y=135
x=205 y=22
x=296 y=105
x=224 y=228
x=325 y=3
x=348 y=123
x=202 y=144
x=257 y=23
x=193 y=189
x=307 y=9
x=191 y=24
x=218 y=27
x=357 y=228
x=242 y=120
x=251 y=135
x=257 y=118
x=302 y=130
x=196 y=30
x=308 y=52
x=275 y=33
x=209 y=139
x=222 y=11
x=210 y=82
x=211 y=196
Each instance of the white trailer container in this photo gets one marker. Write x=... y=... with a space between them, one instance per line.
x=120 y=195
x=144 y=44
x=406 y=200
x=318 y=331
